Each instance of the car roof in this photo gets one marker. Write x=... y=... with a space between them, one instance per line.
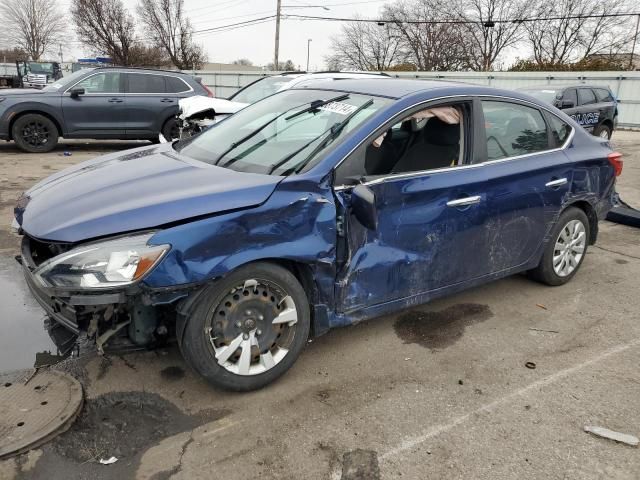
x=142 y=69
x=561 y=87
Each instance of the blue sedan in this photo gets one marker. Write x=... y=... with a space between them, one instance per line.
x=314 y=208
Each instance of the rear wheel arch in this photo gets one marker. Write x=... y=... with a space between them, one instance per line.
x=591 y=214
x=34 y=112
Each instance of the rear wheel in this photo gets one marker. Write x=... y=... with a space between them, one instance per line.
x=35 y=133
x=566 y=250
x=602 y=131
x=170 y=130
x=248 y=328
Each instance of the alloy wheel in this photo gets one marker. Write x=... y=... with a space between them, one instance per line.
x=569 y=248
x=604 y=134
x=35 y=133
x=253 y=327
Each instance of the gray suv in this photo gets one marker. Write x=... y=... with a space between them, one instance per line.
x=101 y=103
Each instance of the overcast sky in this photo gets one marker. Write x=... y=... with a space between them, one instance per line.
x=257 y=42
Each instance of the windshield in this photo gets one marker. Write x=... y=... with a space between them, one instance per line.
x=261 y=89
x=283 y=134
x=66 y=81
x=41 y=68
x=545 y=94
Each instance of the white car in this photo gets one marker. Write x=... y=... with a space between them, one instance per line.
x=198 y=113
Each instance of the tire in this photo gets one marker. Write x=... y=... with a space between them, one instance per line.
x=238 y=310
x=603 y=131
x=545 y=271
x=170 y=130
x=35 y=133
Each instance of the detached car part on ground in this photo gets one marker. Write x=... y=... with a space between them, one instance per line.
x=196 y=114
x=594 y=108
x=312 y=209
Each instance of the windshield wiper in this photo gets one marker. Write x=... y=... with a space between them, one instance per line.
x=334 y=131
x=317 y=103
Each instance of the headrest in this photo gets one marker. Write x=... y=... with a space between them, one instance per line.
x=437 y=132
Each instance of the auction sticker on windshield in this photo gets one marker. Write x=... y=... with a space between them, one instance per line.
x=339 y=107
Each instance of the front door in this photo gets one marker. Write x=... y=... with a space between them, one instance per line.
x=99 y=112
x=431 y=206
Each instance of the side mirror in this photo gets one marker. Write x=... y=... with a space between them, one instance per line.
x=567 y=104
x=76 y=92
x=363 y=205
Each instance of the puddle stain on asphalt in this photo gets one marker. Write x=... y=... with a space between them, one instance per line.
x=172 y=373
x=360 y=465
x=620 y=261
x=120 y=424
x=437 y=330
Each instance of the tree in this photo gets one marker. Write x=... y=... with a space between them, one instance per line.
x=428 y=45
x=365 y=46
x=574 y=36
x=171 y=30
x=245 y=62
x=35 y=26
x=489 y=38
x=287 y=66
x=107 y=26
x=12 y=54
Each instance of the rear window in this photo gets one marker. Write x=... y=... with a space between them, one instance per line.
x=547 y=95
x=603 y=95
x=176 y=85
x=586 y=96
x=145 y=83
x=261 y=89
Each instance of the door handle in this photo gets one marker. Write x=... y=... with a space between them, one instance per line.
x=464 y=202
x=556 y=183
x=115 y=100
x=166 y=100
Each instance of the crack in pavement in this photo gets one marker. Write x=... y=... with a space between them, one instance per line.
x=615 y=251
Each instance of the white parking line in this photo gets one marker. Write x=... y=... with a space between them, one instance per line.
x=438 y=429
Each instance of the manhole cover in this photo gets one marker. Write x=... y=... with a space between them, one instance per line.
x=34 y=413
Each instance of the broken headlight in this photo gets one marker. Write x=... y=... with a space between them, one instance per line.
x=112 y=263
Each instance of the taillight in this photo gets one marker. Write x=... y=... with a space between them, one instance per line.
x=209 y=91
x=615 y=159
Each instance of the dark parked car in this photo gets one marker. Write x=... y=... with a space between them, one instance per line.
x=101 y=103
x=594 y=108
x=314 y=208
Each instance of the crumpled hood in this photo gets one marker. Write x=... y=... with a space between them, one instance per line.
x=191 y=105
x=134 y=190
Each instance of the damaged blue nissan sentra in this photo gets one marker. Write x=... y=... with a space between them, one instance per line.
x=314 y=208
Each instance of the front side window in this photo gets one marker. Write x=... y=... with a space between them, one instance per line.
x=513 y=129
x=586 y=96
x=141 y=83
x=570 y=97
x=107 y=82
x=284 y=134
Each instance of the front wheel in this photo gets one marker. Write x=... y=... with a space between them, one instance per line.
x=566 y=249
x=35 y=133
x=248 y=328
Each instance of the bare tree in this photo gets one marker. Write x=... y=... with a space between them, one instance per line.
x=428 y=35
x=170 y=29
x=244 y=62
x=34 y=26
x=106 y=26
x=492 y=29
x=578 y=31
x=365 y=46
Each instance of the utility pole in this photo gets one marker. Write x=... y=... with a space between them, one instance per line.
x=275 y=56
x=308 y=44
x=61 y=61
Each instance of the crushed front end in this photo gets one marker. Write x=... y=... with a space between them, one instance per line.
x=75 y=287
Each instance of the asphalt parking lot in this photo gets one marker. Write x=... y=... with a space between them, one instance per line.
x=439 y=391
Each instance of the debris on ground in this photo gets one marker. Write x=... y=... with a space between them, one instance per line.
x=541 y=306
x=108 y=461
x=530 y=365
x=543 y=330
x=611 y=435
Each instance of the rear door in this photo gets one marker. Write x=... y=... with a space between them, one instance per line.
x=149 y=104
x=528 y=174
x=100 y=111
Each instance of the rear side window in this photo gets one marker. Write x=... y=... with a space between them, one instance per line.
x=513 y=129
x=586 y=96
x=603 y=95
x=175 y=85
x=570 y=96
x=559 y=130
x=142 y=83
